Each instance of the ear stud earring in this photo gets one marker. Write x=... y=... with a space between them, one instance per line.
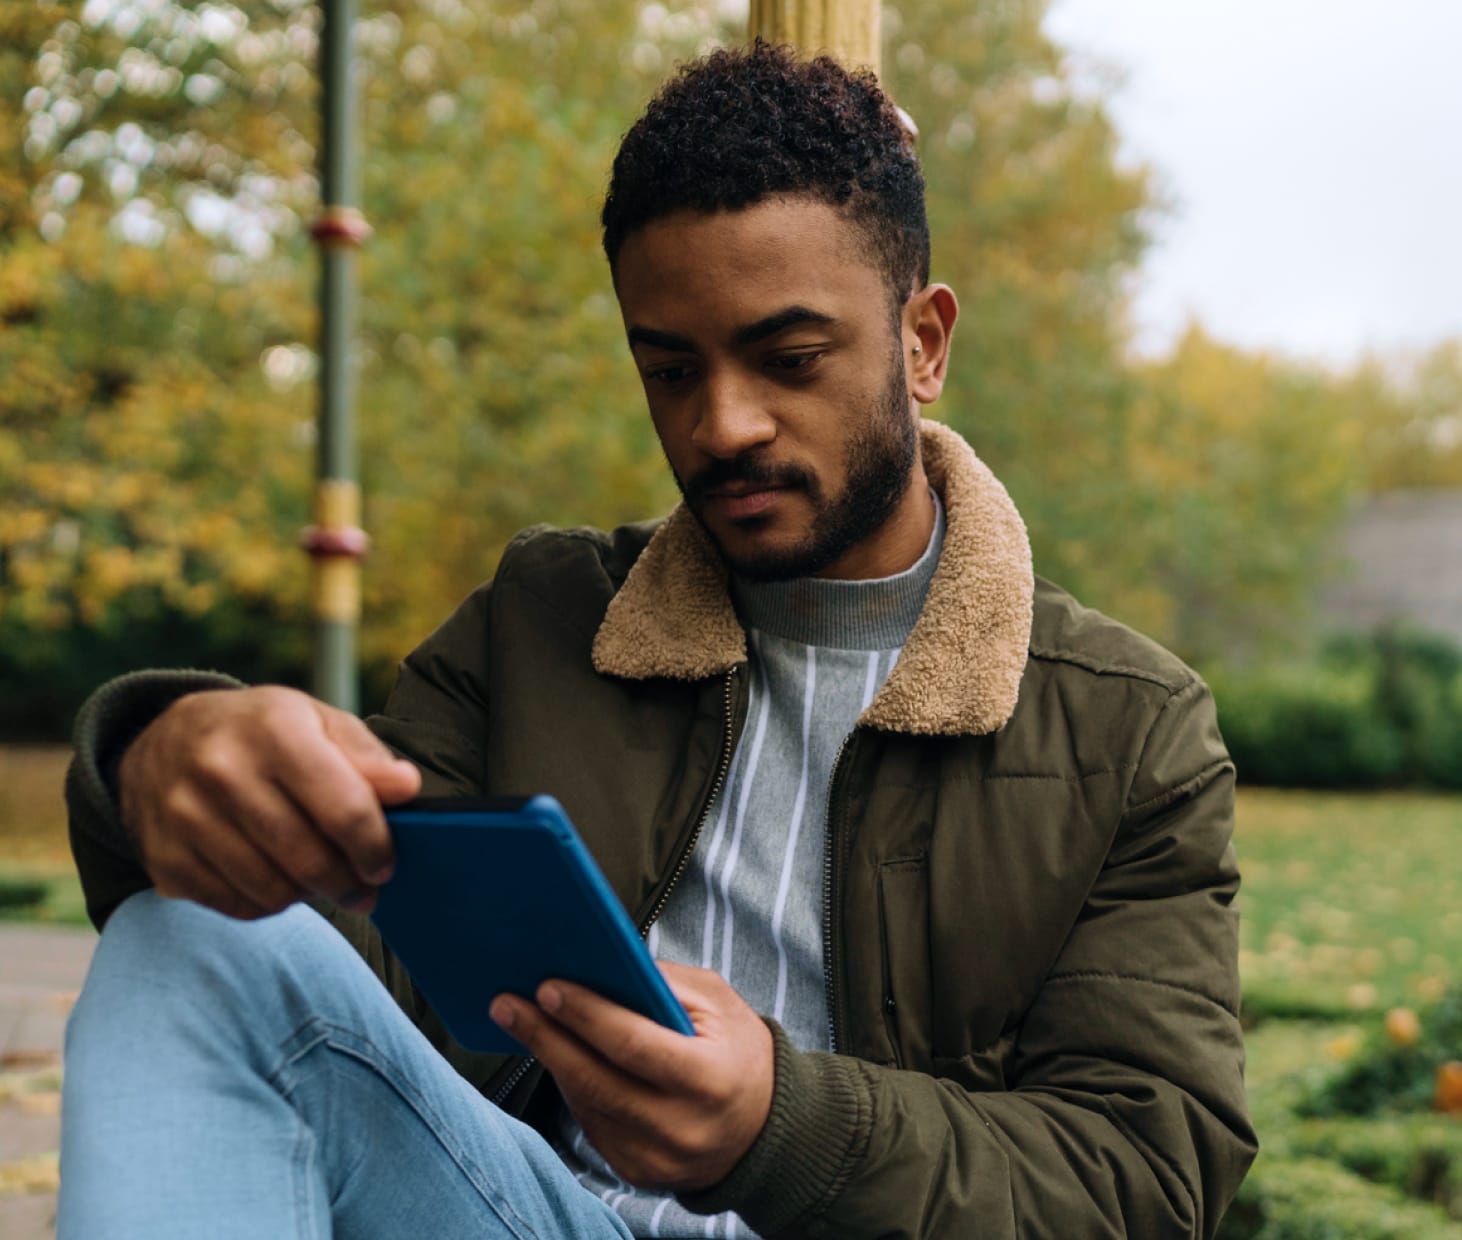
x=918 y=348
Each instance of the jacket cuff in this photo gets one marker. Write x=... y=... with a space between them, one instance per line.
x=815 y=1137
x=114 y=716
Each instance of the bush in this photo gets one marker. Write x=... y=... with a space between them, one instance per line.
x=21 y=893
x=45 y=675
x=1308 y=728
x=1299 y=1198
x=1419 y=1154
x=1288 y=1000
x=1386 y=1078
x=1375 y=710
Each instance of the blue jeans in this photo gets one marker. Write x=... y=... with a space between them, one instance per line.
x=231 y=1079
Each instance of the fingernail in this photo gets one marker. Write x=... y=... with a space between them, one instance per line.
x=502 y=1013
x=550 y=997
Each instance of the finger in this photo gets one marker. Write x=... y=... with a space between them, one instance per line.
x=247 y=869
x=588 y=1082
x=277 y=867
x=633 y=1043
x=393 y=779
x=692 y=985
x=554 y=1045
x=258 y=829
x=331 y=794
x=203 y=884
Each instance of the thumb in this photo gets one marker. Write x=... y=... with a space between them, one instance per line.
x=393 y=779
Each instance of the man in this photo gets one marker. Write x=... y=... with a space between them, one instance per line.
x=937 y=860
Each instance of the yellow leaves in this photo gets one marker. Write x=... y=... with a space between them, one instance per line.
x=22 y=525
x=27 y=278
x=106 y=572
x=137 y=273
x=1361 y=995
x=195 y=600
x=1448 y=1096
x=253 y=571
x=125 y=491
x=1402 y=1026
x=39 y=1174
x=67 y=485
x=1430 y=987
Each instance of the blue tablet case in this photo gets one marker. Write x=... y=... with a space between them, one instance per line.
x=498 y=895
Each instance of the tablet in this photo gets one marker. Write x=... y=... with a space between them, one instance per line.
x=497 y=895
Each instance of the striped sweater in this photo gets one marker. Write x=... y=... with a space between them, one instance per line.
x=749 y=905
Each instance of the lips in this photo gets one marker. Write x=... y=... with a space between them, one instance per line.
x=741 y=501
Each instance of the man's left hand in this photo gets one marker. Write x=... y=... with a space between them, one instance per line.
x=665 y=1110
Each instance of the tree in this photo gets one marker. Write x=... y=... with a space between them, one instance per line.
x=1037 y=226
x=157 y=174
x=1243 y=469
x=131 y=399
x=155 y=414
x=1408 y=410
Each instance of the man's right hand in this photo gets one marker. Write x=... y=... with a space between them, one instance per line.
x=247 y=800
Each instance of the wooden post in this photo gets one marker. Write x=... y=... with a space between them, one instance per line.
x=847 y=30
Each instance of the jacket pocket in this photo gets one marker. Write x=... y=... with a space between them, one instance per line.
x=907 y=1000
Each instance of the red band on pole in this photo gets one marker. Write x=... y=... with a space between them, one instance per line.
x=330 y=541
x=344 y=226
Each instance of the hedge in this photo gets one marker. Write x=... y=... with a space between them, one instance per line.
x=1419 y=1154
x=1382 y=710
x=1306 y=1198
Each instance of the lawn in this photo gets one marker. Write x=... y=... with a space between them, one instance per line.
x=1352 y=905
x=1350 y=902
x=34 y=857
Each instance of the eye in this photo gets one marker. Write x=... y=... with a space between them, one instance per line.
x=795 y=363
x=668 y=376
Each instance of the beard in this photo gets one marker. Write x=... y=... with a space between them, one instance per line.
x=877 y=465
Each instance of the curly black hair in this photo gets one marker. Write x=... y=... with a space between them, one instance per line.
x=744 y=124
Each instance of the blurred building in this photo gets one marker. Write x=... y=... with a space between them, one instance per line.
x=1401 y=562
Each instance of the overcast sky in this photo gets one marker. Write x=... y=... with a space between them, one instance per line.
x=1313 y=153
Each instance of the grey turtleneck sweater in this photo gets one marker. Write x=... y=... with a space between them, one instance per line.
x=749 y=905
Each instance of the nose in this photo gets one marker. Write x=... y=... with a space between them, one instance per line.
x=732 y=417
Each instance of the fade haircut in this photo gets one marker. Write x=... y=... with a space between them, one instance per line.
x=744 y=124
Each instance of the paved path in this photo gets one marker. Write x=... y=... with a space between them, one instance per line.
x=41 y=969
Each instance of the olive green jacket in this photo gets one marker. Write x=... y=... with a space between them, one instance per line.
x=1030 y=940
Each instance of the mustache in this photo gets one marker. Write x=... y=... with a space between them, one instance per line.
x=746 y=470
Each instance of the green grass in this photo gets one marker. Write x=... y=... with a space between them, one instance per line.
x=30 y=893
x=1350 y=902
x=34 y=856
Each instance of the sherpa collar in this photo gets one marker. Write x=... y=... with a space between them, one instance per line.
x=960 y=669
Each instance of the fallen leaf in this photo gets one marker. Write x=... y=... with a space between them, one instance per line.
x=22 y=1059
x=39 y=1104
x=40 y=1174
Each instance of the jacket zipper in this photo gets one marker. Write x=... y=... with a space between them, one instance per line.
x=681 y=863
x=725 y=765
x=829 y=979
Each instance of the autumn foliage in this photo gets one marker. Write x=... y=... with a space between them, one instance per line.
x=157 y=177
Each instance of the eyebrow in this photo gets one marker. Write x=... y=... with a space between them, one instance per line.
x=752 y=333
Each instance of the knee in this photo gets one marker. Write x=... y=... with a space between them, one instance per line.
x=179 y=941
x=170 y=963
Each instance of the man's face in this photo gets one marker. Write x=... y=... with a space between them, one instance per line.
x=774 y=369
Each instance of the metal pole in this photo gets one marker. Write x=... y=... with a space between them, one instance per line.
x=847 y=30
x=335 y=542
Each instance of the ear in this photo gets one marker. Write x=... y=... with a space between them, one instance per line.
x=928 y=323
